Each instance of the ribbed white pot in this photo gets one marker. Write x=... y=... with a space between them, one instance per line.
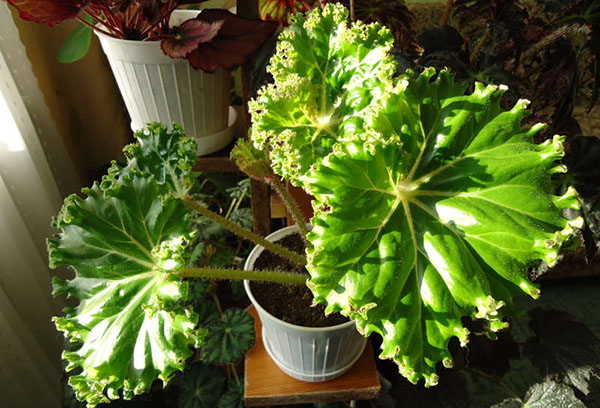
x=312 y=354
x=158 y=88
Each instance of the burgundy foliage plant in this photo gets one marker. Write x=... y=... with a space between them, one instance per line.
x=216 y=38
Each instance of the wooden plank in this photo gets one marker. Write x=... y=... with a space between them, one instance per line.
x=216 y=165
x=259 y=192
x=278 y=208
x=266 y=384
x=247 y=9
x=260 y=195
x=304 y=201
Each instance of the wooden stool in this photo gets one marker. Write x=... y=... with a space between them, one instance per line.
x=266 y=384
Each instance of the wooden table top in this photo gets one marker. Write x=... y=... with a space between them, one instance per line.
x=266 y=384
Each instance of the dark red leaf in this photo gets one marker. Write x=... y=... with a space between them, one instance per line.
x=281 y=10
x=235 y=42
x=151 y=10
x=184 y=2
x=50 y=12
x=188 y=35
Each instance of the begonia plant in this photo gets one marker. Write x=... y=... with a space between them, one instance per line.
x=215 y=38
x=431 y=203
x=128 y=240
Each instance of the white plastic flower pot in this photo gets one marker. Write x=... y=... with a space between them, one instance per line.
x=158 y=88
x=312 y=354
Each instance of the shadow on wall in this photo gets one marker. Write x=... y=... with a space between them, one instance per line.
x=83 y=97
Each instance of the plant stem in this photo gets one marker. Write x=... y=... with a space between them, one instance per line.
x=290 y=203
x=545 y=41
x=244 y=233
x=235 y=375
x=352 y=11
x=215 y=297
x=238 y=274
x=446 y=15
x=95 y=28
x=148 y=30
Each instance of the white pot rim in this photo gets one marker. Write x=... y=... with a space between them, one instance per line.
x=248 y=267
x=177 y=16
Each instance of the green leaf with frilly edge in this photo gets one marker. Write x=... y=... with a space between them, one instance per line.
x=124 y=245
x=328 y=77
x=437 y=218
x=251 y=161
x=166 y=154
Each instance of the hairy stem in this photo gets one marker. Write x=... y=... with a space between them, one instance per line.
x=290 y=203
x=545 y=41
x=238 y=274
x=247 y=234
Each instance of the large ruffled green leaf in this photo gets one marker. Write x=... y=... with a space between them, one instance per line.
x=328 y=78
x=437 y=218
x=166 y=154
x=124 y=244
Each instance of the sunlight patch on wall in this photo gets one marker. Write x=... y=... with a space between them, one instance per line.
x=10 y=135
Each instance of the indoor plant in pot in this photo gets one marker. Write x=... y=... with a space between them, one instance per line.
x=307 y=348
x=303 y=343
x=147 y=43
x=430 y=204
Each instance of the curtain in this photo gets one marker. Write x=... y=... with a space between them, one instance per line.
x=35 y=173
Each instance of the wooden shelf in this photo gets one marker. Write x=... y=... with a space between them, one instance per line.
x=218 y=162
x=266 y=384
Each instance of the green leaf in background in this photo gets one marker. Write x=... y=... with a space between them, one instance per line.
x=167 y=154
x=545 y=395
x=77 y=44
x=328 y=76
x=563 y=346
x=229 y=338
x=437 y=218
x=584 y=175
x=200 y=386
x=207 y=312
x=124 y=245
x=233 y=397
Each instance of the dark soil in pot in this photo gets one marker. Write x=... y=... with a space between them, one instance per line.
x=290 y=303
